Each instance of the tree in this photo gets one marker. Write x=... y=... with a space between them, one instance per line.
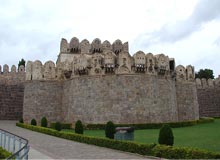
x=110 y=130
x=166 y=135
x=205 y=73
x=21 y=62
x=79 y=127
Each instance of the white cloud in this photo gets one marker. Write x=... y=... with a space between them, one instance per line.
x=32 y=29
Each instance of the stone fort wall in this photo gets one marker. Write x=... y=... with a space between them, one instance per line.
x=209 y=97
x=99 y=82
x=11 y=92
x=123 y=98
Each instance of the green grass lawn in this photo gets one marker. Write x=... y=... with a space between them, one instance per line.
x=203 y=136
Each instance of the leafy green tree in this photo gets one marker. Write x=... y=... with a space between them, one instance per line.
x=79 y=127
x=110 y=130
x=205 y=73
x=166 y=136
x=21 y=62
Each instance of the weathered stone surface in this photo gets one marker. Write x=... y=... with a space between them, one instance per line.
x=180 y=73
x=120 y=98
x=209 y=98
x=42 y=98
x=49 y=70
x=187 y=103
x=11 y=94
x=11 y=101
x=98 y=82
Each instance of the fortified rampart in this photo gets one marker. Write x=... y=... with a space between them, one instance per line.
x=99 y=82
x=11 y=92
x=209 y=97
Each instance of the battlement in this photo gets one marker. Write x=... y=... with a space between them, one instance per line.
x=75 y=47
x=82 y=58
x=207 y=83
x=13 y=76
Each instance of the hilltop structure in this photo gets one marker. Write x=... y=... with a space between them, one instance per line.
x=99 y=82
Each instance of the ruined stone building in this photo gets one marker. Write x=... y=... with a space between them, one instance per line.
x=99 y=81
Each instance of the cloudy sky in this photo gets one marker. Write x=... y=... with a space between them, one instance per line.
x=188 y=30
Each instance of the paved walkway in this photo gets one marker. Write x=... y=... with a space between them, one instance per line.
x=49 y=147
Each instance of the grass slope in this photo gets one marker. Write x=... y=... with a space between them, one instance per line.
x=203 y=136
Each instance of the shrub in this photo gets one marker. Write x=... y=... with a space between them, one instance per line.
x=78 y=127
x=110 y=130
x=168 y=152
x=21 y=120
x=205 y=120
x=44 y=122
x=33 y=122
x=58 y=126
x=66 y=125
x=4 y=154
x=154 y=125
x=166 y=136
x=63 y=125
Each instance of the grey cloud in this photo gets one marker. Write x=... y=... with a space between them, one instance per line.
x=205 y=11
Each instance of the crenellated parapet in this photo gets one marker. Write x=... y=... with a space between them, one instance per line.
x=185 y=73
x=12 y=75
x=103 y=58
x=38 y=71
x=207 y=83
